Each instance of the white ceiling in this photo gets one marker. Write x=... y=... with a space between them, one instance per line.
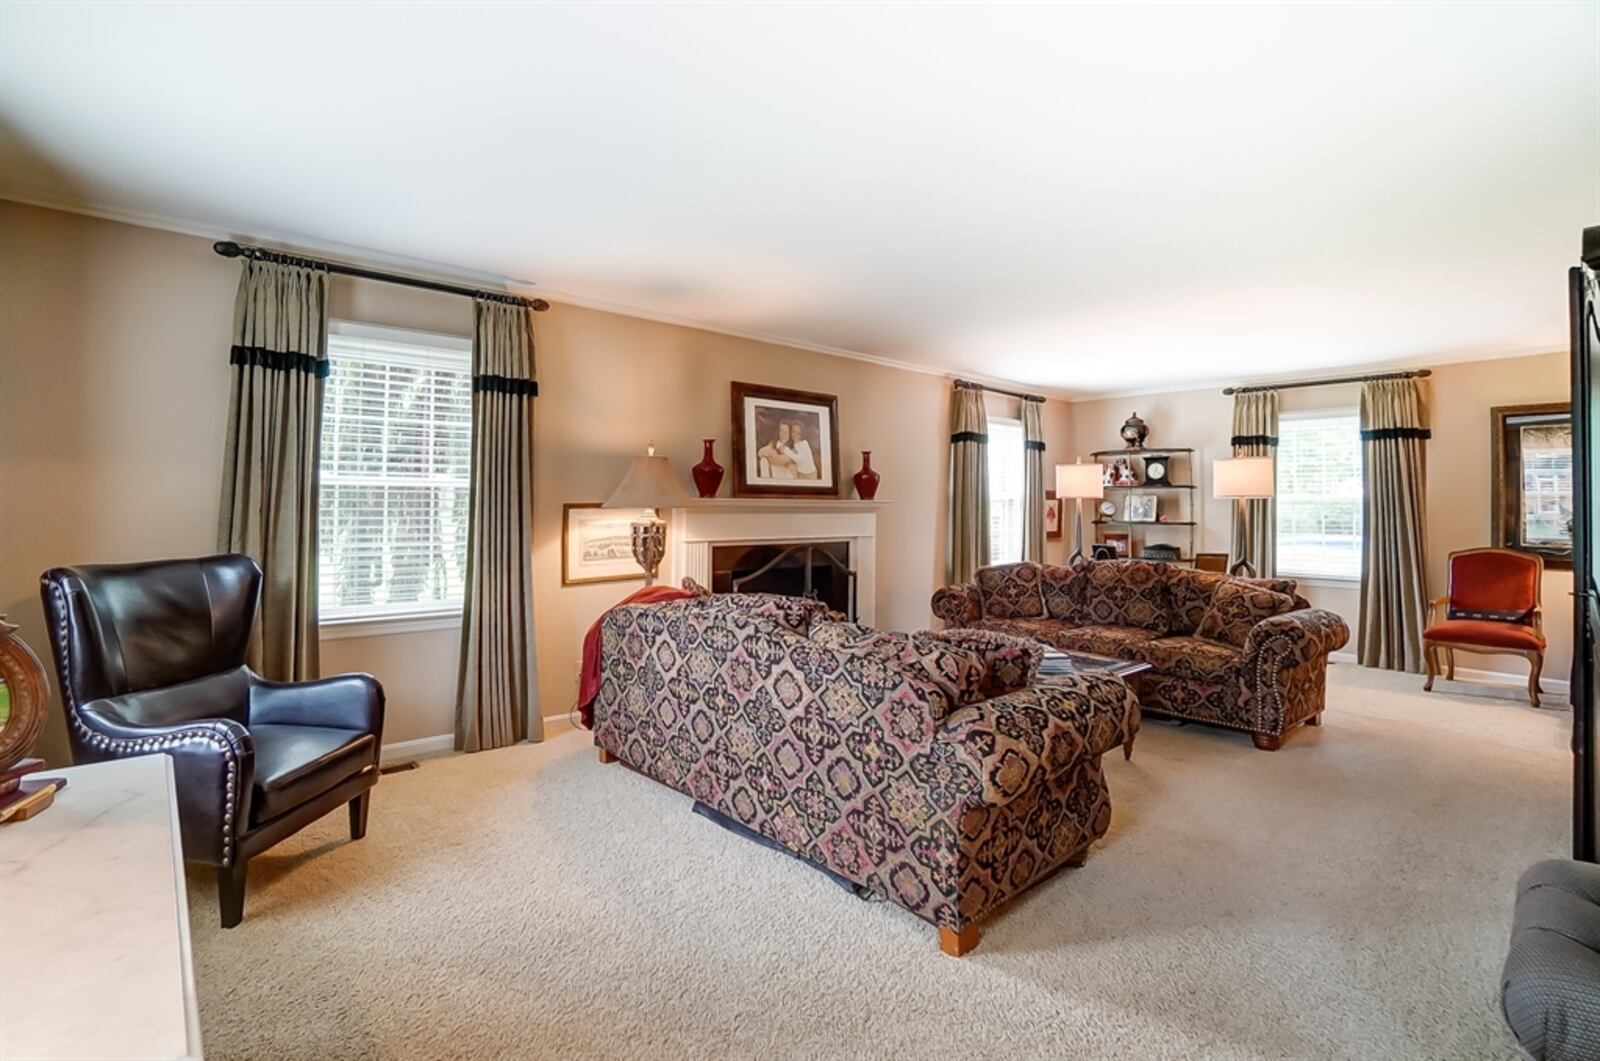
x=1090 y=199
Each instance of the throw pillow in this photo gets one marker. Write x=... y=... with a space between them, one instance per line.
x=1127 y=593
x=1191 y=593
x=1064 y=589
x=956 y=673
x=1010 y=591
x=1237 y=607
x=1009 y=663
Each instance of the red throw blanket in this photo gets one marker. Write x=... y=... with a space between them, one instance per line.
x=589 y=677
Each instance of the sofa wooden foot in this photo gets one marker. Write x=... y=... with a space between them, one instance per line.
x=1127 y=748
x=1077 y=859
x=1267 y=742
x=605 y=756
x=1315 y=720
x=956 y=943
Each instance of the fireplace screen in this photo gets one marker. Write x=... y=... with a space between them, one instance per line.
x=820 y=570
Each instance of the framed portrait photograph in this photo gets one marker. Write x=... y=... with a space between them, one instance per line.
x=1120 y=541
x=597 y=544
x=785 y=442
x=1141 y=508
x=1052 y=516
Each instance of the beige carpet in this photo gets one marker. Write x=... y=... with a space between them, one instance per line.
x=1348 y=897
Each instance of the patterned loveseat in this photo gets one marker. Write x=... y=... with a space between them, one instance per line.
x=930 y=769
x=1248 y=654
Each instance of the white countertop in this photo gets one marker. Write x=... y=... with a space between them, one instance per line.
x=94 y=921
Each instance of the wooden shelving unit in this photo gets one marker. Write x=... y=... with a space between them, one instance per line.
x=1176 y=500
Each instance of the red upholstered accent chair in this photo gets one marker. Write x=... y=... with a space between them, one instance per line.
x=1493 y=607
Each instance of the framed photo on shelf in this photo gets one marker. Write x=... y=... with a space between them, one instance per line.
x=1103 y=551
x=1052 y=516
x=785 y=442
x=597 y=544
x=1141 y=508
x=1121 y=541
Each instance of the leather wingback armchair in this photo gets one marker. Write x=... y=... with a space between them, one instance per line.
x=151 y=658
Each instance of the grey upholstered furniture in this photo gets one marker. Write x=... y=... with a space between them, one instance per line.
x=1550 y=988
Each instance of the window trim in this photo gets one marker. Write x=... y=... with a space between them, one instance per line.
x=1319 y=581
x=417 y=620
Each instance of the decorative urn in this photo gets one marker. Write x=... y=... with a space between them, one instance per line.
x=1135 y=431
x=866 y=479
x=708 y=473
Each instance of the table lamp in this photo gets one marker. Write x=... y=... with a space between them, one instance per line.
x=1245 y=479
x=649 y=486
x=1076 y=482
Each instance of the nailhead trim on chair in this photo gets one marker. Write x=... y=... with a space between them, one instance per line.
x=139 y=745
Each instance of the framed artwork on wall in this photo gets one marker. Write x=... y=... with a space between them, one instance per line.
x=1052 y=516
x=1530 y=492
x=785 y=442
x=597 y=544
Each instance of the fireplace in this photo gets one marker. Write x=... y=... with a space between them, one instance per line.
x=818 y=569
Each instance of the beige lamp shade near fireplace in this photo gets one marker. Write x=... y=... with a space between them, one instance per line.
x=1242 y=477
x=649 y=486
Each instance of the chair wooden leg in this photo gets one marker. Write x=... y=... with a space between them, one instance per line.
x=605 y=756
x=956 y=943
x=358 y=815
x=1536 y=664
x=1450 y=664
x=230 y=893
x=1430 y=657
x=1268 y=742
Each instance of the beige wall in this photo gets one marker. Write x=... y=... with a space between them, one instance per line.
x=113 y=393
x=1459 y=398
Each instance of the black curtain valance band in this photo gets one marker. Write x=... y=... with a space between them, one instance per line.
x=506 y=385
x=969 y=436
x=1033 y=444
x=1254 y=440
x=1380 y=433
x=278 y=360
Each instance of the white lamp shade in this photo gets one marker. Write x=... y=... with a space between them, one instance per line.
x=648 y=484
x=1080 y=480
x=1237 y=477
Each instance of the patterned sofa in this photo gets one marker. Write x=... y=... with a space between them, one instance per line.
x=930 y=769
x=1247 y=654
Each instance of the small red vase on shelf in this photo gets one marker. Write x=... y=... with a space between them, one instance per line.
x=866 y=479
x=708 y=473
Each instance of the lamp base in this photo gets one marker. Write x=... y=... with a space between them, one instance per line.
x=649 y=546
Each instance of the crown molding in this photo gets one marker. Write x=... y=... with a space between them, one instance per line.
x=452 y=274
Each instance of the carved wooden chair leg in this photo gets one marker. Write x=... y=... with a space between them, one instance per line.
x=1536 y=664
x=1450 y=664
x=956 y=943
x=1430 y=657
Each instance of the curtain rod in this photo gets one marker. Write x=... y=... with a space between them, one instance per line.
x=230 y=249
x=1419 y=373
x=997 y=390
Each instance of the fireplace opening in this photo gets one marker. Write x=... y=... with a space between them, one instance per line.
x=820 y=570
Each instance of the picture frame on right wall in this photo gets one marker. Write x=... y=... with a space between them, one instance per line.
x=1530 y=492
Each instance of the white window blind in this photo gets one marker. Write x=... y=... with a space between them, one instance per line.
x=1006 y=472
x=396 y=456
x=1319 y=496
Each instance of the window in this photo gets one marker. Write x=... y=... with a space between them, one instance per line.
x=1006 y=476
x=396 y=455
x=1319 y=495
x=1532 y=495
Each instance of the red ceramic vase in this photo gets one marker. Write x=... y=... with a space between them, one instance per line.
x=708 y=473
x=866 y=479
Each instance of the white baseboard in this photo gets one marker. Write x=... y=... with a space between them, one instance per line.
x=1493 y=677
x=406 y=750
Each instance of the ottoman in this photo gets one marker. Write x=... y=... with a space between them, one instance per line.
x=1550 y=989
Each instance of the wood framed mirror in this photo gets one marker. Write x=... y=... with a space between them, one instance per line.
x=1531 y=489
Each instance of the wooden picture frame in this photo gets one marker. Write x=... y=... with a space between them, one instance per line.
x=1052 y=516
x=1121 y=541
x=764 y=419
x=591 y=554
x=1509 y=425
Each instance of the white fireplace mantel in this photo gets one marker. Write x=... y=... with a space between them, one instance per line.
x=703 y=524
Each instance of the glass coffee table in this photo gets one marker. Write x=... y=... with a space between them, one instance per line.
x=1058 y=662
